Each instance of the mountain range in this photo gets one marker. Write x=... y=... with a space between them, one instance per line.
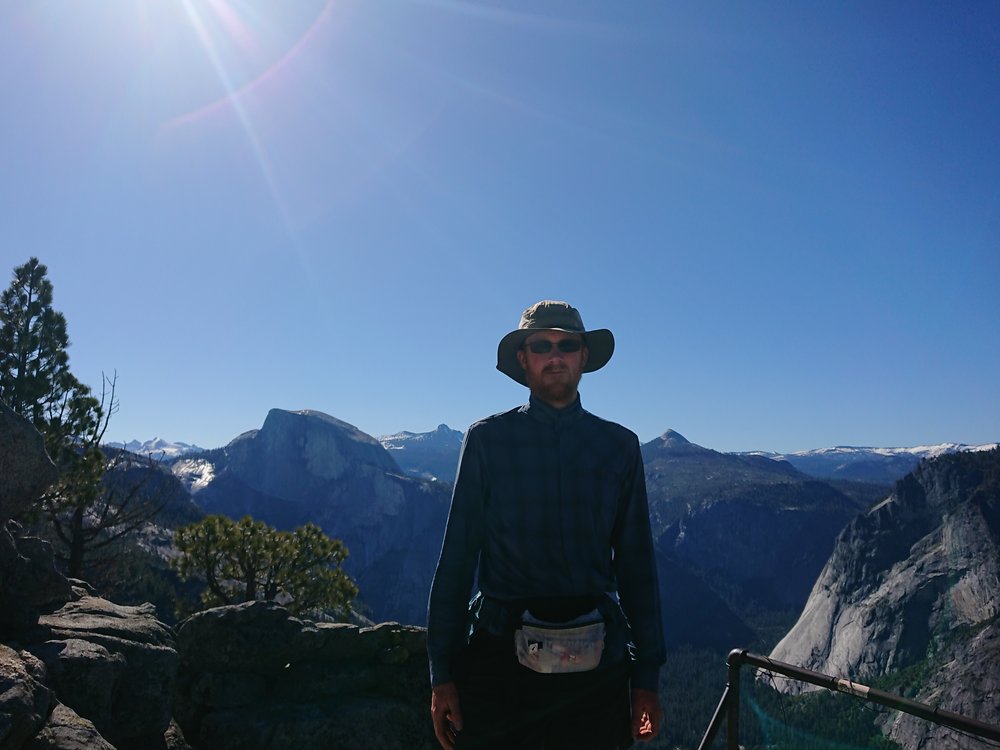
x=729 y=526
x=434 y=455
x=884 y=465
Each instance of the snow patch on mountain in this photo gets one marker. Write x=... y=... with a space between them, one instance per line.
x=880 y=465
x=195 y=473
x=158 y=449
x=443 y=435
x=849 y=452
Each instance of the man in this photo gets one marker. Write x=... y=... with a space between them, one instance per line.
x=549 y=514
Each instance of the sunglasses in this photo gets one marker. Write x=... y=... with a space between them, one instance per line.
x=544 y=346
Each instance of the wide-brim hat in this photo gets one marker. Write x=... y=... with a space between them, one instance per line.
x=550 y=315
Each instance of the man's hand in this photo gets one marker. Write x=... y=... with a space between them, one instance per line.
x=446 y=714
x=646 y=715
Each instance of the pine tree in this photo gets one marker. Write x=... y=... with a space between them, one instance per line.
x=35 y=379
x=85 y=514
x=246 y=560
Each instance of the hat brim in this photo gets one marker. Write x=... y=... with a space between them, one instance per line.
x=600 y=346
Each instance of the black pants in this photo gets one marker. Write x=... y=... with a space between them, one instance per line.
x=505 y=705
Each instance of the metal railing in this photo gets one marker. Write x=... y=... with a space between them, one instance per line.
x=729 y=704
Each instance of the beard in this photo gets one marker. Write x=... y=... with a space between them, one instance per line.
x=555 y=385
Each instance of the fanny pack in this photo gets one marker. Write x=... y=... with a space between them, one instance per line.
x=560 y=647
x=535 y=625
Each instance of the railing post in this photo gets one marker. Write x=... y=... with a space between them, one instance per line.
x=733 y=701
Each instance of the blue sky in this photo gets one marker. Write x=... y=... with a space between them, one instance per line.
x=788 y=213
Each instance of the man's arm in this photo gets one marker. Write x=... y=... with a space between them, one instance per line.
x=635 y=569
x=447 y=611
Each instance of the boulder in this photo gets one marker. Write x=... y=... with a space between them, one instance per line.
x=114 y=664
x=84 y=675
x=252 y=676
x=258 y=637
x=29 y=581
x=28 y=578
x=24 y=699
x=24 y=465
x=67 y=730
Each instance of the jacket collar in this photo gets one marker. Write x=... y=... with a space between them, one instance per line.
x=547 y=414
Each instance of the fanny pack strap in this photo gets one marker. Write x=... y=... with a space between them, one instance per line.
x=557 y=608
x=498 y=617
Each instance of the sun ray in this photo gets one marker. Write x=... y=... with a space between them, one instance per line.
x=232 y=98
x=270 y=72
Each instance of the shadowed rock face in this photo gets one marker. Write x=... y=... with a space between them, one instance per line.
x=965 y=683
x=24 y=698
x=67 y=730
x=918 y=573
x=28 y=579
x=307 y=466
x=113 y=664
x=24 y=465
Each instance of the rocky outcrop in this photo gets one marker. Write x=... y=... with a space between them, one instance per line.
x=92 y=674
x=76 y=671
x=65 y=729
x=29 y=581
x=254 y=677
x=24 y=698
x=307 y=466
x=112 y=664
x=915 y=580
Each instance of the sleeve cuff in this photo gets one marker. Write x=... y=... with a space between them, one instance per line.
x=646 y=676
x=439 y=675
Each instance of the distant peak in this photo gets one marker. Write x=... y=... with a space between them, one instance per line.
x=672 y=436
x=443 y=428
x=281 y=416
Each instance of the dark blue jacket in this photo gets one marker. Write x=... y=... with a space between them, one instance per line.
x=547 y=503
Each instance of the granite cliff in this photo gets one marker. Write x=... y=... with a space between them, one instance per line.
x=914 y=584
